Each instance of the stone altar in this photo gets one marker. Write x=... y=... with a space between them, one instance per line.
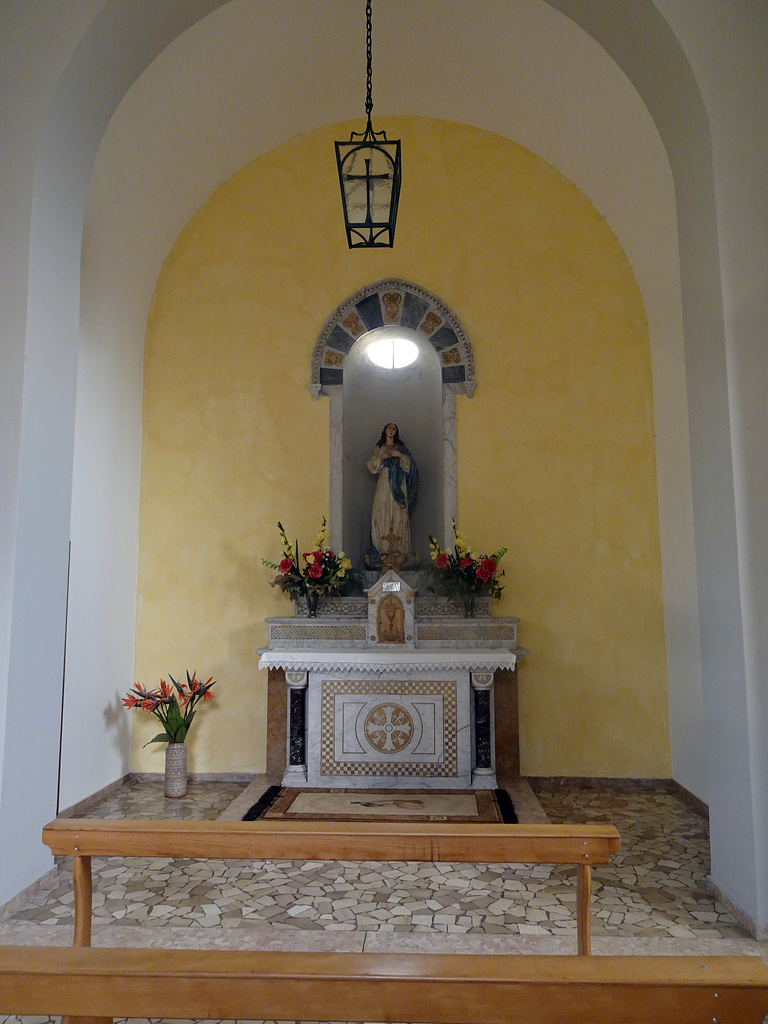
x=391 y=690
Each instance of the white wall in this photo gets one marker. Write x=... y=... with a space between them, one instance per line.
x=715 y=133
x=37 y=392
x=736 y=97
x=53 y=130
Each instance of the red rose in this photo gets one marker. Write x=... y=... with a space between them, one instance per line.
x=486 y=569
x=465 y=563
x=286 y=565
x=442 y=560
x=318 y=556
x=315 y=570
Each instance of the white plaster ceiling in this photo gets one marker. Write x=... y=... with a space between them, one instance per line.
x=257 y=72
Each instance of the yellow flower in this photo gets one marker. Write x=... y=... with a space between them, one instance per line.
x=346 y=564
x=310 y=559
x=320 y=538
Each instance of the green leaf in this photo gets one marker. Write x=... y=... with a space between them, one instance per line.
x=173 y=719
x=181 y=734
x=162 y=737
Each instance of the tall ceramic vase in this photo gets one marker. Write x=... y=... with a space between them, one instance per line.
x=176 y=769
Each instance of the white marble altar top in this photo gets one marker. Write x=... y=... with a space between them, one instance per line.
x=389 y=659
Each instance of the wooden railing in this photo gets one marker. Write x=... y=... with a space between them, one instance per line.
x=579 y=845
x=89 y=984
x=96 y=984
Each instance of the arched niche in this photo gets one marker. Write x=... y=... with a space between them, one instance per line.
x=422 y=400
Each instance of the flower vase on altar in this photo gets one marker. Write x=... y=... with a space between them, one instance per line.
x=316 y=572
x=465 y=573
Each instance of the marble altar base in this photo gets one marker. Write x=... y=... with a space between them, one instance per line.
x=390 y=718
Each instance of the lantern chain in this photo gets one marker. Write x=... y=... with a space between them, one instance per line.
x=369 y=59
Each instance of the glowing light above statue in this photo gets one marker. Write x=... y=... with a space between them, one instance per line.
x=392 y=352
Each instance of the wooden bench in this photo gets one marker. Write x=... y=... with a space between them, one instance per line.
x=451 y=989
x=83 y=838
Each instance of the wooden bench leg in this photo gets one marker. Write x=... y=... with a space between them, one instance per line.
x=83 y=885
x=583 y=899
x=82 y=881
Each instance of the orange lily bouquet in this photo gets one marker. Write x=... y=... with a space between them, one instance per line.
x=173 y=705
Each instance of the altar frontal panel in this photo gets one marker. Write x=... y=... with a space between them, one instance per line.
x=374 y=731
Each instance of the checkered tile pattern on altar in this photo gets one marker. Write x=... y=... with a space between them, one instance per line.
x=443 y=765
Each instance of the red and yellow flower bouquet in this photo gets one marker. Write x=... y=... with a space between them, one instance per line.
x=465 y=572
x=320 y=571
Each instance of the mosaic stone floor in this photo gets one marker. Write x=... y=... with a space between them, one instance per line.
x=650 y=899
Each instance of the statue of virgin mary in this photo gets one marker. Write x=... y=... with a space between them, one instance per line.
x=398 y=477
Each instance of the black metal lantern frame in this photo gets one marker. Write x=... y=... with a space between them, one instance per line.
x=369 y=176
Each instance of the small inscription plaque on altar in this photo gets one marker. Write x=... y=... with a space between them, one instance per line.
x=390 y=586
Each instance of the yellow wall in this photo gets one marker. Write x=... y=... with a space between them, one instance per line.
x=555 y=450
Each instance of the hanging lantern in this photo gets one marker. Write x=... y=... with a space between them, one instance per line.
x=369 y=176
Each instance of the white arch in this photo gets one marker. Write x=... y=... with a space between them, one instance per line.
x=66 y=127
x=571 y=104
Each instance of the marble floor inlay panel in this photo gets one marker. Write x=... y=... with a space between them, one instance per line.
x=650 y=898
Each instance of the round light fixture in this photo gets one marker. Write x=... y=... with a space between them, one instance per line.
x=392 y=352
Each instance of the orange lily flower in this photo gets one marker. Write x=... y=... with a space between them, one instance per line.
x=168 y=698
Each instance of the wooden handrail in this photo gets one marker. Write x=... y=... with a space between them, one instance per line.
x=333 y=840
x=452 y=989
x=83 y=838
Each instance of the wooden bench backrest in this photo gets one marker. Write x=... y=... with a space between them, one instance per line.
x=453 y=989
x=83 y=838
x=354 y=841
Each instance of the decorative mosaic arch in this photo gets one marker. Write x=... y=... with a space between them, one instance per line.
x=393 y=303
